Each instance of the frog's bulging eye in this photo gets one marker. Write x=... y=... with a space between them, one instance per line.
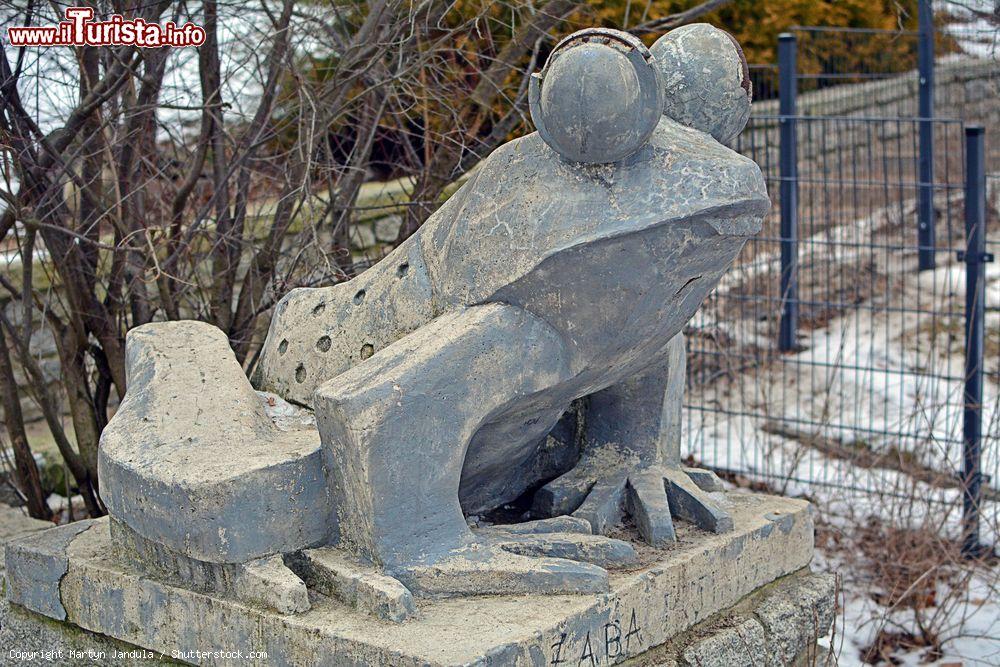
x=706 y=80
x=598 y=98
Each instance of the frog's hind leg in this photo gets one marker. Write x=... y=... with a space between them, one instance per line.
x=396 y=429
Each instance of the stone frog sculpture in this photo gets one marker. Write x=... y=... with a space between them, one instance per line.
x=565 y=268
x=441 y=378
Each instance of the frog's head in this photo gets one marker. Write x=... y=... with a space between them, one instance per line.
x=647 y=128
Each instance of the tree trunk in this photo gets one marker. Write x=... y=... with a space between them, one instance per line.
x=25 y=470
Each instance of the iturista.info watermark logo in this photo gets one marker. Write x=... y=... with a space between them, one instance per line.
x=80 y=29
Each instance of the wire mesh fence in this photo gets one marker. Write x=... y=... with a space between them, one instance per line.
x=866 y=72
x=868 y=402
x=832 y=59
x=878 y=370
x=828 y=363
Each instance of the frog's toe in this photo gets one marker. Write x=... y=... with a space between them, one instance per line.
x=563 y=494
x=648 y=506
x=657 y=495
x=690 y=502
x=654 y=496
x=598 y=550
x=492 y=569
x=705 y=479
x=556 y=524
x=604 y=506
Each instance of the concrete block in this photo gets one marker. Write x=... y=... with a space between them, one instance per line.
x=670 y=592
x=35 y=566
x=742 y=645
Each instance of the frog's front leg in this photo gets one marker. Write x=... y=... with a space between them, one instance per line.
x=396 y=429
x=631 y=460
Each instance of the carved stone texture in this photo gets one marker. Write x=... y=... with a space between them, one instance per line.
x=707 y=80
x=192 y=460
x=598 y=98
x=684 y=596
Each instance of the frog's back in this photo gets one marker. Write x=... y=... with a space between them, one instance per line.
x=535 y=231
x=318 y=333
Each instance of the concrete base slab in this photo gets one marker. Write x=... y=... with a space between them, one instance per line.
x=671 y=591
x=14 y=521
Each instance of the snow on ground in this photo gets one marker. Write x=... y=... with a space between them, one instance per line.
x=866 y=421
x=973 y=622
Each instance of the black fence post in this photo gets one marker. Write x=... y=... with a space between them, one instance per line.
x=789 y=191
x=925 y=201
x=975 y=294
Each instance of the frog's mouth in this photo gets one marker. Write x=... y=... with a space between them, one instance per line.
x=686 y=287
x=747 y=221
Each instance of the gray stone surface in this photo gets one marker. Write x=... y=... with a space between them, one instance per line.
x=777 y=626
x=267 y=582
x=742 y=645
x=27 y=638
x=14 y=521
x=361 y=586
x=705 y=479
x=788 y=642
x=795 y=617
x=598 y=97
x=192 y=460
x=645 y=607
x=262 y=582
x=35 y=566
x=706 y=78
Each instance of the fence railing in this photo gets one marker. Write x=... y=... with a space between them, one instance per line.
x=846 y=350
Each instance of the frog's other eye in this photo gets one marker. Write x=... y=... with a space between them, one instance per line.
x=706 y=80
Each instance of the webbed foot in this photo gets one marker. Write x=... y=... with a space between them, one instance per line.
x=651 y=495
x=555 y=556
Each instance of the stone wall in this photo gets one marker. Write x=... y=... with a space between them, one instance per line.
x=965 y=89
x=781 y=625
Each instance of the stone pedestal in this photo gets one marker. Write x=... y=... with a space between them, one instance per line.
x=744 y=597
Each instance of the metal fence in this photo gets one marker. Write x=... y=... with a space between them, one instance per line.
x=844 y=357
